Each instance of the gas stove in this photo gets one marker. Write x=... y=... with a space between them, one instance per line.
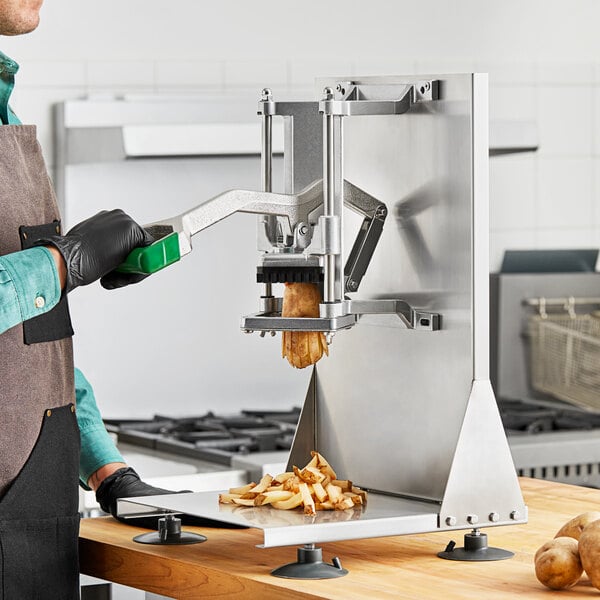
x=521 y=417
x=550 y=439
x=211 y=437
x=203 y=452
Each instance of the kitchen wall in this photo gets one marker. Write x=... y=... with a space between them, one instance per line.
x=543 y=58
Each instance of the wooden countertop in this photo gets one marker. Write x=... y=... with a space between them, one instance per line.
x=229 y=565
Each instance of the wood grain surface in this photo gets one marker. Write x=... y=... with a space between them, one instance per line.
x=229 y=565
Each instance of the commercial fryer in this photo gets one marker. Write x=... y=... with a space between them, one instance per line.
x=385 y=205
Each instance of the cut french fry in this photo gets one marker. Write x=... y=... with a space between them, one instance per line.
x=361 y=493
x=344 y=503
x=227 y=498
x=324 y=466
x=291 y=484
x=356 y=498
x=243 y=502
x=320 y=492
x=334 y=492
x=263 y=484
x=243 y=489
x=282 y=477
x=313 y=488
x=293 y=502
x=345 y=484
x=309 y=503
x=312 y=475
x=313 y=463
x=270 y=497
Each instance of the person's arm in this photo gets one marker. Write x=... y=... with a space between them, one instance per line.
x=99 y=455
x=101 y=466
x=29 y=285
x=32 y=280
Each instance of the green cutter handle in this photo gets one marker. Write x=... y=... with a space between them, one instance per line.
x=152 y=258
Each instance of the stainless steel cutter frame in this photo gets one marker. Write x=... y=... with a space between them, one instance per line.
x=409 y=415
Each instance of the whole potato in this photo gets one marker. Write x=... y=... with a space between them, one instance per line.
x=589 y=551
x=575 y=526
x=557 y=563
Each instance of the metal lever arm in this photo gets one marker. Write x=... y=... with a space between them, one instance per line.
x=296 y=207
x=369 y=233
x=178 y=231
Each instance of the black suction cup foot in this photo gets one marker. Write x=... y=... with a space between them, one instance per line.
x=169 y=533
x=475 y=549
x=310 y=565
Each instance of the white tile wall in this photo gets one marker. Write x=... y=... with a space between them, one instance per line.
x=565 y=120
x=304 y=71
x=246 y=73
x=514 y=102
x=542 y=56
x=565 y=193
x=513 y=187
x=189 y=74
x=118 y=73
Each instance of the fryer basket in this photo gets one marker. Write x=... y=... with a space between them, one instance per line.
x=565 y=357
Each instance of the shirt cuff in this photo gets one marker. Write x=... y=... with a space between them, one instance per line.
x=35 y=279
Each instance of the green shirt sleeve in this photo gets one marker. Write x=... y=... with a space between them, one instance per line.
x=29 y=286
x=97 y=447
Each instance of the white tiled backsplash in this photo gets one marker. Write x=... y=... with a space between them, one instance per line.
x=541 y=57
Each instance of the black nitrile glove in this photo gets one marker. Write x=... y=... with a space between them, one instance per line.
x=97 y=246
x=126 y=483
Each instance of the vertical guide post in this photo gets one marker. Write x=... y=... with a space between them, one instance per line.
x=333 y=200
x=269 y=222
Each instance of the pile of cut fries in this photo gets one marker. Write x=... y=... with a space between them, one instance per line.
x=315 y=487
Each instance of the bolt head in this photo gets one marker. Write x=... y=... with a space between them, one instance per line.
x=494 y=517
x=450 y=521
x=515 y=515
x=472 y=519
x=328 y=93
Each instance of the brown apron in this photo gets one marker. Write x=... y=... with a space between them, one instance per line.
x=39 y=439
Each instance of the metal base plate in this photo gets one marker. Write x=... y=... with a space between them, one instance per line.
x=382 y=515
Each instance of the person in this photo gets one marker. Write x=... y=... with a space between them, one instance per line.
x=47 y=407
